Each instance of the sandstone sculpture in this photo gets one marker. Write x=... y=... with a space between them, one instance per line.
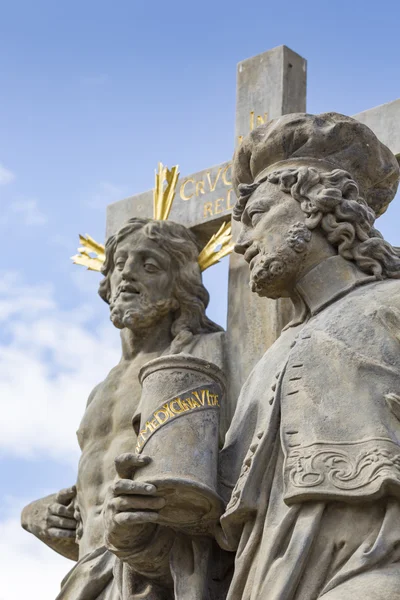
x=311 y=464
x=154 y=288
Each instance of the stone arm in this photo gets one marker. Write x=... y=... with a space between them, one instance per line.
x=51 y=520
x=131 y=529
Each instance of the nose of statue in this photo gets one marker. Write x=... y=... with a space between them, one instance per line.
x=242 y=244
x=128 y=272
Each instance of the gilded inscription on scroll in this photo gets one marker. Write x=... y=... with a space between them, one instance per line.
x=195 y=400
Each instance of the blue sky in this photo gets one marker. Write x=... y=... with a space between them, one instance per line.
x=94 y=94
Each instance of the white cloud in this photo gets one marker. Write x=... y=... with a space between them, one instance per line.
x=6 y=176
x=86 y=282
x=25 y=211
x=17 y=298
x=105 y=194
x=50 y=359
x=28 y=212
x=29 y=569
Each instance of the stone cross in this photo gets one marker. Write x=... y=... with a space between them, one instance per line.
x=268 y=85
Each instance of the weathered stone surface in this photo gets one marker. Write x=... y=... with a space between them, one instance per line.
x=179 y=415
x=384 y=121
x=268 y=85
x=313 y=451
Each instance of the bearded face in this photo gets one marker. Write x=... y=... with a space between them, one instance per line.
x=142 y=313
x=141 y=284
x=274 y=241
x=272 y=273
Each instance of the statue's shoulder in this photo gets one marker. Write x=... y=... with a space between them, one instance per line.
x=209 y=346
x=375 y=297
x=366 y=300
x=384 y=306
x=94 y=393
x=112 y=378
x=386 y=293
x=367 y=317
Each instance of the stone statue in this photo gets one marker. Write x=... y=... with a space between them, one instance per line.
x=311 y=463
x=154 y=288
x=310 y=469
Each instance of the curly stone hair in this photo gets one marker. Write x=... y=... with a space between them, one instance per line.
x=331 y=201
x=193 y=298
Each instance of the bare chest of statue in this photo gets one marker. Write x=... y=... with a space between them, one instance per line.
x=105 y=432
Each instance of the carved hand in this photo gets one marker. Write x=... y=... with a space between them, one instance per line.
x=51 y=519
x=60 y=520
x=131 y=509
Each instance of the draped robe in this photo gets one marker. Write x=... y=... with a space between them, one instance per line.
x=311 y=463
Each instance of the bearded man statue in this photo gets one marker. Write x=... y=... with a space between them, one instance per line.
x=311 y=463
x=153 y=285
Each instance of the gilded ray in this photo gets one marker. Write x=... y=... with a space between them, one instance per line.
x=219 y=246
x=91 y=254
x=163 y=196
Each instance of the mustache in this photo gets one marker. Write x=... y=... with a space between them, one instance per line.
x=129 y=287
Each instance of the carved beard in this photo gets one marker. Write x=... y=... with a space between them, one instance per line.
x=143 y=314
x=270 y=271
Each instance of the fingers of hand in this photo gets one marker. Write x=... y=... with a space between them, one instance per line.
x=125 y=519
x=128 y=462
x=61 y=534
x=66 y=495
x=127 y=486
x=126 y=503
x=61 y=510
x=61 y=522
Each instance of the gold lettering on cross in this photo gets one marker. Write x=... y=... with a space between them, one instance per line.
x=200 y=188
x=213 y=185
x=229 y=206
x=260 y=120
x=182 y=191
x=225 y=175
x=254 y=121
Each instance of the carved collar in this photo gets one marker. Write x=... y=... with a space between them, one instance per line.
x=331 y=279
